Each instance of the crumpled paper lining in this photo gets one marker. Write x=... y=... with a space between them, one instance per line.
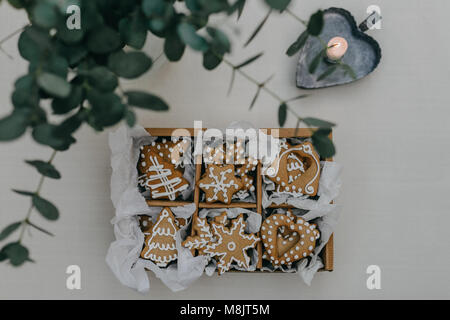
x=253 y=220
x=123 y=254
x=325 y=213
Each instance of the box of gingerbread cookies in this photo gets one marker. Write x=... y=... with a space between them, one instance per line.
x=193 y=202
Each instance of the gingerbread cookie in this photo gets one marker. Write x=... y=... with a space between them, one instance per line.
x=219 y=183
x=231 y=244
x=146 y=224
x=160 y=246
x=201 y=236
x=296 y=242
x=170 y=151
x=163 y=180
x=296 y=170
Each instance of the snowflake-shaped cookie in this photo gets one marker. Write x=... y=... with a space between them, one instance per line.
x=219 y=183
x=231 y=245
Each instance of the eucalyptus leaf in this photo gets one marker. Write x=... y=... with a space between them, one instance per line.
x=6 y=232
x=129 y=65
x=315 y=24
x=45 y=15
x=319 y=123
x=133 y=30
x=220 y=42
x=73 y=100
x=146 y=101
x=45 y=208
x=24 y=193
x=14 y=125
x=45 y=168
x=130 y=118
x=249 y=60
x=278 y=4
x=107 y=109
x=323 y=143
x=173 y=47
x=102 y=79
x=330 y=70
x=16 y=253
x=348 y=70
x=46 y=134
x=298 y=44
x=282 y=114
x=211 y=60
x=103 y=40
x=53 y=85
x=258 y=28
x=188 y=34
x=316 y=61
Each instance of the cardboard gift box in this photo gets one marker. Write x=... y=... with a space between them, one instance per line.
x=326 y=253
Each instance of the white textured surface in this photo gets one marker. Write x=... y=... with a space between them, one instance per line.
x=392 y=138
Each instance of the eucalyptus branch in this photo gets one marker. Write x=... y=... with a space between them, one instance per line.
x=263 y=86
x=26 y=222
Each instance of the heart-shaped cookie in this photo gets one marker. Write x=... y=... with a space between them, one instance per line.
x=296 y=170
x=363 y=53
x=295 y=242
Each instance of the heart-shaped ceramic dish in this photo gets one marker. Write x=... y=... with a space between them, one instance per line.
x=363 y=54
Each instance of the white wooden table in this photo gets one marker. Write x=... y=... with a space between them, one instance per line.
x=392 y=138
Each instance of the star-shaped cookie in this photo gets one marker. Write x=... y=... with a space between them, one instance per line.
x=231 y=245
x=219 y=183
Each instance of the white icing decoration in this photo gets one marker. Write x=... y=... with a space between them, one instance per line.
x=162 y=174
x=219 y=185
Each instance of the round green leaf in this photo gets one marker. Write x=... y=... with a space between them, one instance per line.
x=129 y=65
x=133 y=30
x=46 y=134
x=188 y=34
x=323 y=143
x=107 y=109
x=16 y=253
x=174 y=47
x=282 y=114
x=45 y=15
x=45 y=208
x=220 y=42
x=53 y=85
x=9 y=230
x=211 y=60
x=73 y=100
x=146 y=101
x=45 y=168
x=103 y=40
x=278 y=4
x=14 y=125
x=102 y=79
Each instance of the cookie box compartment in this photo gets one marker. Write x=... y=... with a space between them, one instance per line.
x=327 y=253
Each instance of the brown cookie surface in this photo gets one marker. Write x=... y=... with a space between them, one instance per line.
x=161 y=177
x=219 y=183
x=160 y=244
x=287 y=238
x=231 y=244
x=296 y=170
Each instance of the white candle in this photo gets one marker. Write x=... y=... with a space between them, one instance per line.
x=336 y=48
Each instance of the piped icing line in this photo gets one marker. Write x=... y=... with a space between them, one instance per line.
x=162 y=174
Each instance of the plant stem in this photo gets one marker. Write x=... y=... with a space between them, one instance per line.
x=263 y=87
x=296 y=17
x=26 y=222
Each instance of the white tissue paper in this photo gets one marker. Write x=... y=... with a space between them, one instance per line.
x=123 y=254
